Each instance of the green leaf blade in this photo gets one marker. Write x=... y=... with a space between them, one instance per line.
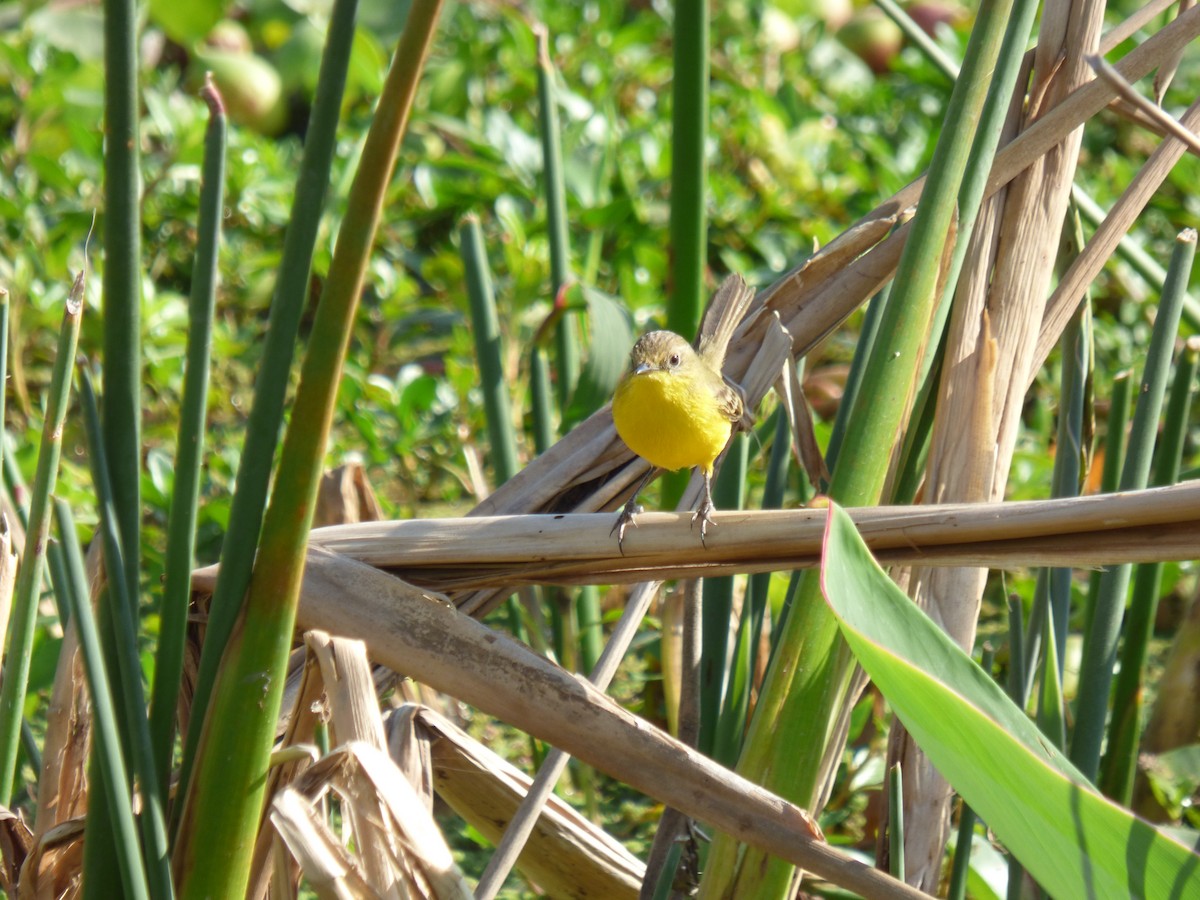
x=1071 y=839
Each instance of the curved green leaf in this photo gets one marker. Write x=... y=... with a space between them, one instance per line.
x=611 y=336
x=1074 y=841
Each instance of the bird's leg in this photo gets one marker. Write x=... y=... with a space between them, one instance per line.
x=629 y=510
x=705 y=509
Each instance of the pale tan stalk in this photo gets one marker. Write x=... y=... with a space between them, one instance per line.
x=566 y=855
x=63 y=783
x=421 y=635
x=1067 y=296
x=478 y=552
x=989 y=359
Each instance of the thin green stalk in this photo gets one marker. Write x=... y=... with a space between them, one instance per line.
x=754 y=609
x=688 y=228
x=110 y=763
x=123 y=639
x=123 y=276
x=552 y=166
x=1053 y=591
x=1016 y=649
x=23 y=621
x=895 y=784
x=266 y=415
x=185 y=496
x=689 y=171
x=565 y=340
x=1120 y=760
x=729 y=492
x=18 y=492
x=1133 y=253
x=1114 y=460
x=4 y=313
x=1051 y=714
x=918 y=38
x=914 y=453
x=811 y=667
x=224 y=801
x=1100 y=641
x=497 y=405
x=541 y=408
x=957 y=889
x=590 y=621
x=858 y=365
x=485 y=327
x=121 y=308
x=1015 y=685
x=587 y=599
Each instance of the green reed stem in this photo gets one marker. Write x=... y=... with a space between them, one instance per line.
x=1100 y=640
x=110 y=762
x=266 y=415
x=1120 y=760
x=225 y=797
x=122 y=621
x=23 y=621
x=185 y=495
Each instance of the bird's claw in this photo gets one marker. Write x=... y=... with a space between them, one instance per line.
x=624 y=520
x=704 y=513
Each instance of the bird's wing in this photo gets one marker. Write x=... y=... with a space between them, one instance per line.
x=732 y=401
x=721 y=319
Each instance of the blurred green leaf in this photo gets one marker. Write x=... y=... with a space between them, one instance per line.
x=76 y=30
x=187 y=22
x=610 y=336
x=1174 y=777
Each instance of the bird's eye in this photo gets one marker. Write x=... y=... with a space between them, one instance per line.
x=674 y=360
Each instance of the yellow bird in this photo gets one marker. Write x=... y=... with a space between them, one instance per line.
x=674 y=408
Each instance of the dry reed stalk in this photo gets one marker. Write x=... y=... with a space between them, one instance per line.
x=387 y=813
x=992 y=356
x=408 y=746
x=346 y=496
x=566 y=855
x=54 y=864
x=421 y=635
x=499 y=552
x=16 y=842
x=355 y=718
x=62 y=787
x=62 y=793
x=301 y=715
x=1083 y=270
x=349 y=687
x=330 y=869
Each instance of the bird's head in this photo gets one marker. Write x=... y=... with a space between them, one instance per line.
x=661 y=351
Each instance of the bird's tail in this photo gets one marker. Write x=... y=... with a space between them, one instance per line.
x=721 y=319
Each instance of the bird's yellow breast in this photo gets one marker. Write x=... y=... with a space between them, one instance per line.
x=670 y=421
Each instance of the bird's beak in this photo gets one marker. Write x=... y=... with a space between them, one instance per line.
x=644 y=368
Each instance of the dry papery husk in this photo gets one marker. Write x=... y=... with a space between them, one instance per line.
x=385 y=787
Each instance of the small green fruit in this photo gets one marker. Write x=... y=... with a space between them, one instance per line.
x=250 y=87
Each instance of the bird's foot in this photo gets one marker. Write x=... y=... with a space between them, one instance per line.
x=704 y=513
x=624 y=520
